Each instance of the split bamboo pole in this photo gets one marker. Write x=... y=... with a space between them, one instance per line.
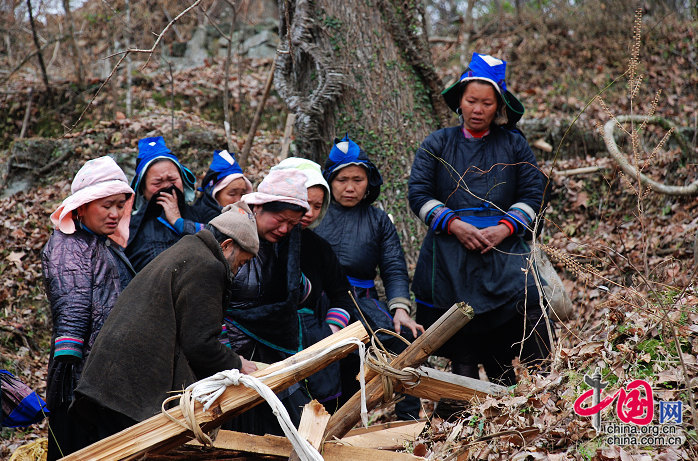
x=436 y=385
x=158 y=434
x=429 y=342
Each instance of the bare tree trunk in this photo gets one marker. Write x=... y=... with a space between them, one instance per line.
x=129 y=68
x=517 y=3
x=113 y=90
x=364 y=68
x=257 y=116
x=8 y=46
x=498 y=7
x=288 y=132
x=27 y=113
x=226 y=67
x=9 y=20
x=49 y=93
x=172 y=103
x=77 y=60
x=238 y=97
x=467 y=32
x=226 y=92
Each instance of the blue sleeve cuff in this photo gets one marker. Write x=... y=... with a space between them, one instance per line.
x=441 y=218
x=179 y=225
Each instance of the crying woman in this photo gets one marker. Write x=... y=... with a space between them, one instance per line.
x=161 y=214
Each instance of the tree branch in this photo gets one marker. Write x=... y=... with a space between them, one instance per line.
x=126 y=53
x=257 y=115
x=38 y=51
x=633 y=171
x=159 y=37
x=28 y=57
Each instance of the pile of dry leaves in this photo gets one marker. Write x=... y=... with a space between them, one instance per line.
x=626 y=257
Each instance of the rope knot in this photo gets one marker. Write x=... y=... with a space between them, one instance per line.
x=378 y=359
x=229 y=377
x=208 y=390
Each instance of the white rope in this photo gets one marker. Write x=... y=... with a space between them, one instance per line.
x=362 y=374
x=209 y=389
x=205 y=389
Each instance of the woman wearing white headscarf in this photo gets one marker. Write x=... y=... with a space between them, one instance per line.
x=261 y=321
x=85 y=270
x=325 y=302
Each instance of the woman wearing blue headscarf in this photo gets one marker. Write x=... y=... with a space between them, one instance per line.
x=477 y=187
x=161 y=215
x=224 y=184
x=365 y=240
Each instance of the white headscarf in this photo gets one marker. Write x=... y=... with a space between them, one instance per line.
x=314 y=174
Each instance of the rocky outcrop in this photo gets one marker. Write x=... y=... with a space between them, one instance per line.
x=253 y=41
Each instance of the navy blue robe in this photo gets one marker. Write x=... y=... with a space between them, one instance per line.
x=480 y=177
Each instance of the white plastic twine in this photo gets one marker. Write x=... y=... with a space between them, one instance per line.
x=362 y=375
x=209 y=389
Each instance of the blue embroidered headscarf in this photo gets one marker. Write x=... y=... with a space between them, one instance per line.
x=149 y=150
x=222 y=166
x=493 y=71
x=346 y=152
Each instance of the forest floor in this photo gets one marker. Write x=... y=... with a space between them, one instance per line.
x=625 y=253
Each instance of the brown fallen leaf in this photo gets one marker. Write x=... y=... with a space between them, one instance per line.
x=420 y=450
x=18 y=234
x=16 y=257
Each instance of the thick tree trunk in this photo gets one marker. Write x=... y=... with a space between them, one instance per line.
x=77 y=59
x=362 y=67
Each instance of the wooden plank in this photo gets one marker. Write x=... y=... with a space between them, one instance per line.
x=158 y=434
x=336 y=451
x=268 y=445
x=431 y=340
x=272 y=445
x=194 y=453
x=389 y=438
x=314 y=420
x=381 y=427
x=436 y=385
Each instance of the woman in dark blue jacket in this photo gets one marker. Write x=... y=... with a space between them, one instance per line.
x=161 y=214
x=364 y=239
x=224 y=184
x=478 y=188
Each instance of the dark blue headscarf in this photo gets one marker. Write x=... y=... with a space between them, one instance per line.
x=346 y=152
x=149 y=150
x=492 y=70
x=223 y=165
